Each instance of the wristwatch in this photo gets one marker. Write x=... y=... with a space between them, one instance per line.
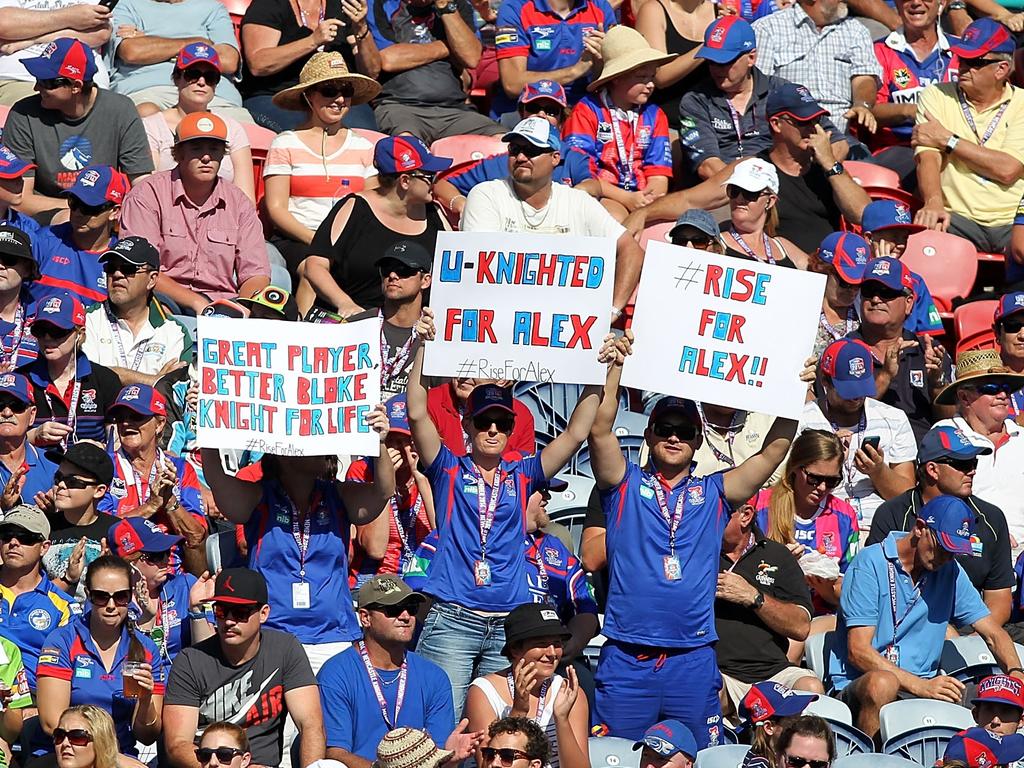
x=951 y=143
x=452 y=7
x=835 y=170
x=758 y=601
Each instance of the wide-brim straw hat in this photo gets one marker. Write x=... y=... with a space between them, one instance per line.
x=975 y=367
x=324 y=68
x=624 y=49
x=409 y=748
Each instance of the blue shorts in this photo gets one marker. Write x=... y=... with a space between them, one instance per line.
x=637 y=686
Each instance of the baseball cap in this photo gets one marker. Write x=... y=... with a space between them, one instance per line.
x=543 y=89
x=17 y=386
x=952 y=521
x=726 y=39
x=980 y=748
x=87 y=457
x=668 y=738
x=16 y=242
x=537 y=131
x=890 y=272
x=675 y=405
x=398 y=414
x=198 y=53
x=848 y=363
x=887 y=214
x=848 y=253
x=487 y=396
x=700 y=220
x=62 y=310
x=1000 y=689
x=793 y=100
x=754 y=175
x=277 y=299
x=64 y=57
x=404 y=154
x=531 y=620
x=140 y=398
x=12 y=166
x=410 y=253
x=948 y=442
x=240 y=586
x=200 y=125
x=136 y=534
x=385 y=589
x=98 y=185
x=29 y=517
x=983 y=36
x=1009 y=304
x=134 y=250
x=768 y=700
x=555 y=485
x=225 y=308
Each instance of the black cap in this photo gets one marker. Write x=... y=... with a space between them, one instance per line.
x=88 y=457
x=240 y=586
x=532 y=620
x=16 y=242
x=134 y=250
x=409 y=253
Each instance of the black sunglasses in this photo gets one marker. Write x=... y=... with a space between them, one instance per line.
x=1008 y=326
x=994 y=388
x=482 y=422
x=799 y=762
x=960 y=465
x=814 y=480
x=222 y=611
x=700 y=242
x=78 y=737
x=224 y=754
x=667 y=429
x=128 y=270
x=506 y=756
x=733 y=192
x=192 y=74
x=53 y=83
x=519 y=148
x=394 y=611
x=10 y=260
x=400 y=269
x=547 y=107
x=873 y=290
x=23 y=537
x=334 y=91
x=121 y=598
x=977 y=63
x=89 y=210
x=430 y=178
x=14 y=404
x=156 y=557
x=71 y=482
x=51 y=331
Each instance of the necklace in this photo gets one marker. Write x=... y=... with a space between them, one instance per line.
x=534 y=224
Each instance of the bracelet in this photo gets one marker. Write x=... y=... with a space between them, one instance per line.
x=1011 y=670
x=364 y=34
x=451 y=202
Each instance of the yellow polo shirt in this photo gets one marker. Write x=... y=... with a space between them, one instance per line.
x=967 y=193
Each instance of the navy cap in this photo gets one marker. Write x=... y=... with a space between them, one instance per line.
x=140 y=398
x=98 y=185
x=675 y=405
x=952 y=521
x=487 y=396
x=134 y=535
x=1009 y=304
x=948 y=442
x=890 y=272
x=12 y=166
x=983 y=36
x=793 y=100
x=848 y=363
x=668 y=738
x=398 y=414
x=17 y=386
x=726 y=39
x=768 y=700
x=61 y=310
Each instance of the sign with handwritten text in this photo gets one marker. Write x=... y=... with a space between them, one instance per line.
x=520 y=306
x=723 y=330
x=291 y=389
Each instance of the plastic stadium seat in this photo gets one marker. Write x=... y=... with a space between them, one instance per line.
x=969 y=658
x=948 y=264
x=906 y=715
x=921 y=745
x=972 y=323
x=850 y=740
x=236 y=10
x=879 y=182
x=468 y=147
x=371 y=136
x=831 y=709
x=816 y=653
x=574 y=497
x=724 y=756
x=259 y=144
x=873 y=760
x=658 y=232
x=612 y=752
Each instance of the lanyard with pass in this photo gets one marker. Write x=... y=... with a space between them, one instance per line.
x=162 y=628
x=390 y=368
x=970 y=119
x=8 y=356
x=133 y=477
x=72 y=419
x=849 y=324
x=300 y=588
x=541 y=699
x=730 y=435
x=768 y=255
x=403 y=674
x=736 y=119
x=485 y=508
x=670 y=562
x=406 y=533
x=122 y=354
x=626 y=160
x=892 y=653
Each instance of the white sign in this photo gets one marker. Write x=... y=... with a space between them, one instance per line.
x=520 y=306
x=290 y=389
x=723 y=330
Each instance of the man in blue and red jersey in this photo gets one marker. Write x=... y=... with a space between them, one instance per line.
x=664 y=541
x=556 y=40
x=18 y=268
x=68 y=253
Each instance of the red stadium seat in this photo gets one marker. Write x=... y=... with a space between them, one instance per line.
x=462 y=149
x=972 y=323
x=880 y=183
x=658 y=232
x=236 y=10
x=948 y=264
x=259 y=145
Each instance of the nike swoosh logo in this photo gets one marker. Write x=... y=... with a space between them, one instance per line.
x=248 y=703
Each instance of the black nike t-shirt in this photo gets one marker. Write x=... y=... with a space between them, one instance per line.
x=250 y=695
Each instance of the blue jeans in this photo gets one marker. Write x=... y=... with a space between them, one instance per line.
x=464 y=644
x=266 y=113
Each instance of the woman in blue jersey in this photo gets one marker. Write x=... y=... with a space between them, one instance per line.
x=478 y=573
x=297 y=522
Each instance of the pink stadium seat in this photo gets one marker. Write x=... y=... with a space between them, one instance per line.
x=236 y=10
x=371 y=136
x=462 y=149
x=259 y=145
x=973 y=325
x=948 y=264
x=880 y=183
x=658 y=232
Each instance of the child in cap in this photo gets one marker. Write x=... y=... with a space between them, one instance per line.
x=617 y=126
x=998 y=704
x=979 y=748
x=842 y=258
x=764 y=711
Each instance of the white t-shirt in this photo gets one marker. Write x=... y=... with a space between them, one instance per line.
x=11 y=67
x=896 y=442
x=493 y=207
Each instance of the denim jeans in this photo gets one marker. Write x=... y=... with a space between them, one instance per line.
x=464 y=644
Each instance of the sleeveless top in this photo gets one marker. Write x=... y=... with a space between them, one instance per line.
x=668 y=99
x=546 y=721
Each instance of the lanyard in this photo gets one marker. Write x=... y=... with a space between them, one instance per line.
x=8 y=356
x=892 y=599
x=162 y=630
x=738 y=419
x=390 y=368
x=122 y=354
x=301 y=14
x=848 y=326
x=767 y=241
x=851 y=449
x=626 y=160
x=375 y=684
x=72 y=419
x=970 y=118
x=486 y=506
x=133 y=477
x=301 y=537
x=735 y=115
x=542 y=698
x=674 y=517
x=751 y=543
x=406 y=533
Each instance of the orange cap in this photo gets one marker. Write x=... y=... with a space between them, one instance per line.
x=201 y=125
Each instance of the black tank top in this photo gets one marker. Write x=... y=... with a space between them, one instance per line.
x=668 y=98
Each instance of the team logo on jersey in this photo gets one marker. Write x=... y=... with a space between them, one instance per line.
x=118 y=488
x=646 y=492
x=644 y=136
x=713 y=736
x=917 y=379
x=901 y=77
x=764 y=573
x=551 y=557
x=695 y=495
x=828 y=544
x=88 y=402
x=720 y=125
x=39 y=619
x=604 y=131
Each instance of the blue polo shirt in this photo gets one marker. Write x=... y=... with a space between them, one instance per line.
x=274 y=552
x=946 y=597
x=70 y=653
x=574 y=167
x=39 y=477
x=27 y=620
x=644 y=607
x=556 y=577
x=66 y=268
x=455 y=484
x=352 y=717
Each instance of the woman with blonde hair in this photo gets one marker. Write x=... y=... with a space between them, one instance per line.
x=85 y=738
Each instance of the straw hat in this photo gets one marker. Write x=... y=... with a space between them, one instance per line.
x=409 y=748
x=977 y=366
x=624 y=49
x=323 y=68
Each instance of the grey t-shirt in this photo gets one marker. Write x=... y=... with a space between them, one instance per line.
x=250 y=695
x=111 y=133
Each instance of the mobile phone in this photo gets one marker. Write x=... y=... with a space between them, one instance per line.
x=109 y=4
x=873 y=441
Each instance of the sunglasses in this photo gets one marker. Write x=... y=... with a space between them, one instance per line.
x=402 y=270
x=89 y=210
x=682 y=431
x=222 y=611
x=71 y=482
x=799 y=762
x=15 y=405
x=100 y=598
x=39 y=330
x=506 y=756
x=977 y=63
x=78 y=737
x=423 y=176
x=1008 y=326
x=518 y=148
x=192 y=74
x=224 y=754
x=873 y=290
x=156 y=557
x=814 y=480
x=994 y=388
x=733 y=192
x=547 y=107
x=128 y=270
x=394 y=611
x=9 y=260
x=334 y=91
x=22 y=536
x=963 y=466
x=53 y=83
x=503 y=423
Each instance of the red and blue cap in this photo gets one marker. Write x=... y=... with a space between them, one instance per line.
x=668 y=738
x=890 y=272
x=888 y=214
x=848 y=363
x=398 y=414
x=948 y=442
x=1009 y=304
x=487 y=396
x=1000 y=689
x=795 y=101
x=198 y=53
x=142 y=399
x=17 y=386
x=544 y=89
x=12 y=166
x=405 y=154
x=768 y=700
x=134 y=535
x=725 y=40
x=61 y=310
x=98 y=185
x=983 y=36
x=980 y=748
x=848 y=253
x=953 y=523
x=64 y=57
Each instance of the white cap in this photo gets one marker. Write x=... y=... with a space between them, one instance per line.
x=754 y=175
x=537 y=131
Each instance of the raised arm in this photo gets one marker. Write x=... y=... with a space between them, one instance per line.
x=424 y=433
x=605 y=455
x=365 y=501
x=747 y=479
x=235 y=498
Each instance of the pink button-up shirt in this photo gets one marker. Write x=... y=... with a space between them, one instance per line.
x=211 y=249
